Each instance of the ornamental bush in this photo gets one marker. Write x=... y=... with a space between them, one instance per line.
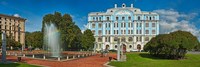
x=171 y=46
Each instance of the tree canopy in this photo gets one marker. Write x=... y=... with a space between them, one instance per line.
x=173 y=45
x=88 y=39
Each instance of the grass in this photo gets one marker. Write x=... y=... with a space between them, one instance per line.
x=17 y=65
x=146 y=60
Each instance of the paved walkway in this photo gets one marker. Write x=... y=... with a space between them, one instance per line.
x=92 y=61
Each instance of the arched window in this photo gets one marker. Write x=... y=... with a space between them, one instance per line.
x=123 y=18
x=117 y=18
x=96 y=18
x=138 y=17
x=149 y=18
x=129 y=18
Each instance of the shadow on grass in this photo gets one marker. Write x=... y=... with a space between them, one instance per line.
x=9 y=65
x=146 y=55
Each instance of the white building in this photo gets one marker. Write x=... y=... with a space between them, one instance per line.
x=133 y=27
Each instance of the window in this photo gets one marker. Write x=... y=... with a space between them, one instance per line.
x=117 y=18
x=140 y=38
x=117 y=31
x=92 y=19
x=117 y=25
x=153 y=32
x=123 y=18
x=138 y=17
x=108 y=19
x=136 y=31
x=106 y=39
x=140 y=31
x=109 y=25
x=153 y=24
x=115 y=38
x=130 y=39
x=123 y=39
x=129 y=18
x=122 y=25
x=137 y=25
x=115 y=46
x=147 y=24
x=99 y=18
x=137 y=39
x=146 y=17
x=106 y=25
x=146 y=38
x=130 y=46
x=154 y=18
x=93 y=31
x=147 y=31
x=140 y=24
x=124 y=31
x=100 y=39
x=100 y=32
x=114 y=25
x=129 y=25
x=149 y=18
x=109 y=32
x=96 y=18
x=129 y=31
x=93 y=25
x=121 y=31
x=100 y=25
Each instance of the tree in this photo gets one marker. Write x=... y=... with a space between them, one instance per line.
x=70 y=34
x=87 y=40
x=173 y=45
x=34 y=39
x=10 y=42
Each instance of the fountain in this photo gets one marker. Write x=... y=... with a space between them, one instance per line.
x=52 y=45
x=51 y=39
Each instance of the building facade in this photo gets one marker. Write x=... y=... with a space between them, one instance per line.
x=130 y=26
x=14 y=27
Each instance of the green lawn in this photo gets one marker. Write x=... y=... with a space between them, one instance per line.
x=17 y=65
x=145 y=60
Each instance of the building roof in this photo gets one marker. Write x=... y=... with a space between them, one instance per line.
x=12 y=17
x=111 y=11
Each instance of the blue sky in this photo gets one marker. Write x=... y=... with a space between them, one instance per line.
x=187 y=11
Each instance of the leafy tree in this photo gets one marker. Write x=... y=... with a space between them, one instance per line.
x=10 y=42
x=173 y=45
x=87 y=40
x=34 y=39
x=70 y=34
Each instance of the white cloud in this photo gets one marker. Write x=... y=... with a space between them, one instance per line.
x=171 y=20
x=16 y=15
